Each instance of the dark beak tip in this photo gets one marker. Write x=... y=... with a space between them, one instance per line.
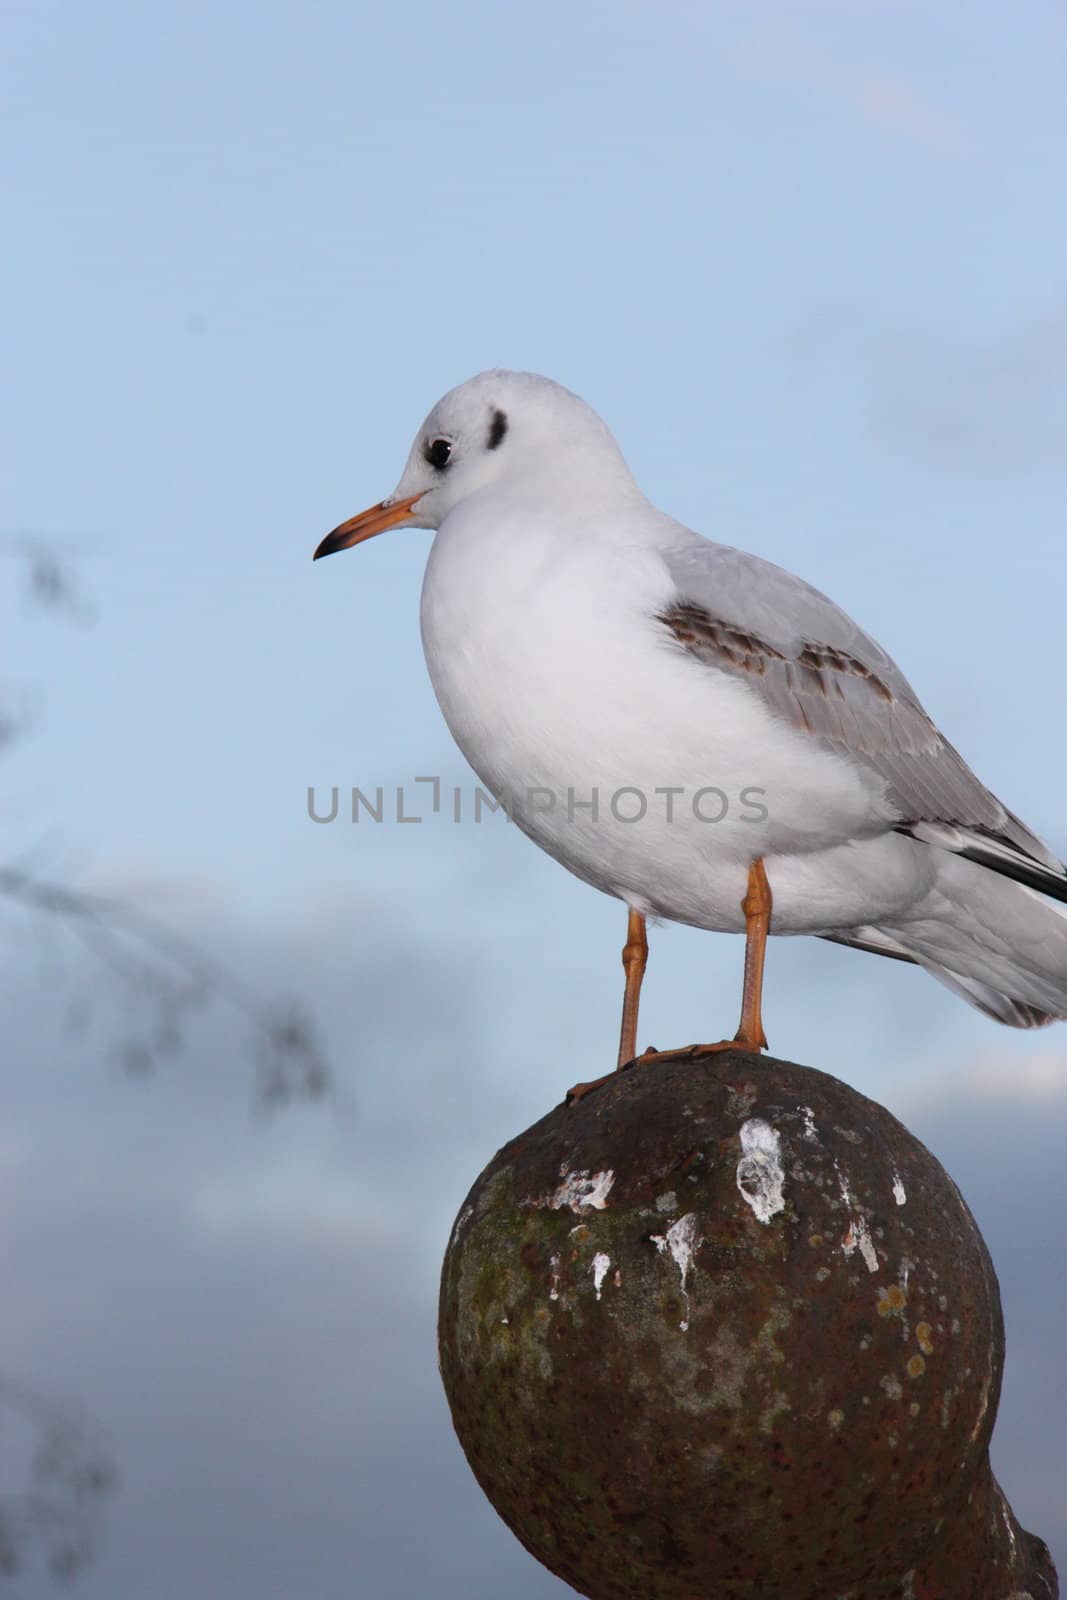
x=328 y=546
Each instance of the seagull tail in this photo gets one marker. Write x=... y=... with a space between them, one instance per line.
x=995 y=942
x=1001 y=1007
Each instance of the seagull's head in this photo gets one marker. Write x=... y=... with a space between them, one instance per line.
x=500 y=428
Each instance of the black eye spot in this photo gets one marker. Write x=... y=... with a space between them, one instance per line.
x=438 y=453
x=497 y=429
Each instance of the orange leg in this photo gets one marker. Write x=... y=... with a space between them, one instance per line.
x=634 y=961
x=756 y=906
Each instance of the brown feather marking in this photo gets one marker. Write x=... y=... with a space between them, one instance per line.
x=821 y=666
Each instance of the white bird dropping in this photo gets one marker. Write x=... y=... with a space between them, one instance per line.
x=683 y=1240
x=759 y=1172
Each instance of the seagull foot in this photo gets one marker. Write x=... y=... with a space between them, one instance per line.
x=580 y=1090
x=687 y=1052
x=693 y=1052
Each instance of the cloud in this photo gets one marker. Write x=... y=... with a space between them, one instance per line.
x=880 y=97
x=1000 y=1130
x=1029 y=1084
x=992 y=406
x=849 y=56
x=248 y=1305
x=994 y=409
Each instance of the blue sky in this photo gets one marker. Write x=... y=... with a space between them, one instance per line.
x=808 y=261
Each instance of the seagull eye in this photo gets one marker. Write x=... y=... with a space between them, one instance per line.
x=438 y=453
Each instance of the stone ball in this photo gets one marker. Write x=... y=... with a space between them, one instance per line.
x=725 y=1328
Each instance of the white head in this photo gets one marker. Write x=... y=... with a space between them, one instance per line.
x=500 y=428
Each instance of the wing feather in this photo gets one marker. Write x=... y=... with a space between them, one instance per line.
x=816 y=669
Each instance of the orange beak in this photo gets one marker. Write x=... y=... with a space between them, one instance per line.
x=387 y=514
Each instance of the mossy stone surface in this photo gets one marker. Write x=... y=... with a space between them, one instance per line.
x=726 y=1329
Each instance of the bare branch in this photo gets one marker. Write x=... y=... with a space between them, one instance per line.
x=69 y=1475
x=50 y=581
x=176 y=975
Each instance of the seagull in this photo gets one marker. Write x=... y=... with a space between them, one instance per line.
x=694 y=730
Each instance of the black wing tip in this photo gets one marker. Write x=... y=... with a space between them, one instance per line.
x=1034 y=876
x=1007 y=858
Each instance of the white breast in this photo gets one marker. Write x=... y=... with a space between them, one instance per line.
x=555 y=676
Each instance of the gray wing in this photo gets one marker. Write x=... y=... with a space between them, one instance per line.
x=816 y=669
